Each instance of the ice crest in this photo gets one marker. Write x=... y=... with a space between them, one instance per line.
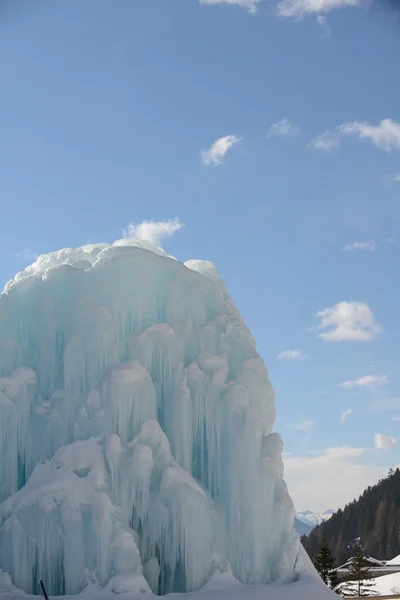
x=136 y=428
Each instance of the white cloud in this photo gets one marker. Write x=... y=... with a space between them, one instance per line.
x=331 y=479
x=345 y=415
x=348 y=321
x=326 y=141
x=369 y=381
x=385 y=135
x=215 y=155
x=303 y=425
x=296 y=9
x=291 y=355
x=153 y=231
x=395 y=418
x=250 y=5
x=384 y=442
x=281 y=128
x=27 y=254
x=360 y=246
x=396 y=178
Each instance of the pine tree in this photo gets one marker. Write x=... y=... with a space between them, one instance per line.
x=359 y=572
x=324 y=562
x=333 y=579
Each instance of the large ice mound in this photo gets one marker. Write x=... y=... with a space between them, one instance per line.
x=136 y=422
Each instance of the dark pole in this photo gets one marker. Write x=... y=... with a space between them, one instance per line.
x=43 y=590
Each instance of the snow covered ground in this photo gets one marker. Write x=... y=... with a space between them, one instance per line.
x=221 y=587
x=387 y=585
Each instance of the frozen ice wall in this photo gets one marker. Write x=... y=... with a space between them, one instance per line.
x=136 y=418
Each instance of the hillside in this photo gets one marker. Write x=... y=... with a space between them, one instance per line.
x=374 y=517
x=301 y=528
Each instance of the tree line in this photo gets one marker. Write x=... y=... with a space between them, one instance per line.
x=374 y=519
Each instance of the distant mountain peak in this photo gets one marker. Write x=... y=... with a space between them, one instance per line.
x=314 y=518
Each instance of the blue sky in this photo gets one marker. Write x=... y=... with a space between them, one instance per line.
x=271 y=130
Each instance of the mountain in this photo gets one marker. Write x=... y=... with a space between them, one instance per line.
x=374 y=519
x=301 y=528
x=312 y=519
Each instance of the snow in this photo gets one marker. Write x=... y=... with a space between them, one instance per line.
x=394 y=561
x=387 y=585
x=375 y=561
x=372 y=562
x=312 y=519
x=222 y=586
x=137 y=451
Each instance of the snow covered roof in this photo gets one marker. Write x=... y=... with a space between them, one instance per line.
x=372 y=562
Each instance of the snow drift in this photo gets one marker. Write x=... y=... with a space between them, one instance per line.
x=137 y=445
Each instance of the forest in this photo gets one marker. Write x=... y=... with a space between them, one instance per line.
x=373 y=520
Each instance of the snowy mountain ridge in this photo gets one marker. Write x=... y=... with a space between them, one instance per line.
x=314 y=518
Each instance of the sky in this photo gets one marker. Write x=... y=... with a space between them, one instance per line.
x=262 y=135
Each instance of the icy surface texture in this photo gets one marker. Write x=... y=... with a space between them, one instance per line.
x=136 y=416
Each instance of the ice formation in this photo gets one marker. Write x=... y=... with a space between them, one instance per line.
x=137 y=445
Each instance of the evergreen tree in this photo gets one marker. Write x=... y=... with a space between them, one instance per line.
x=359 y=573
x=324 y=562
x=333 y=579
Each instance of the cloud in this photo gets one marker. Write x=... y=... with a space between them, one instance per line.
x=302 y=425
x=323 y=22
x=384 y=442
x=360 y=246
x=332 y=479
x=385 y=135
x=348 y=321
x=153 y=231
x=326 y=141
x=27 y=254
x=291 y=355
x=282 y=128
x=395 y=418
x=296 y=9
x=345 y=415
x=396 y=178
x=250 y=5
x=215 y=155
x=369 y=381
